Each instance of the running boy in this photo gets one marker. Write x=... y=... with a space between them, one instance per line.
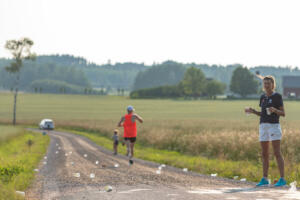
x=116 y=141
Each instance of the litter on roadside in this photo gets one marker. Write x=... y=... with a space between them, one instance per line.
x=163 y=165
x=158 y=172
x=92 y=175
x=45 y=163
x=293 y=186
x=36 y=170
x=160 y=168
x=214 y=175
x=97 y=162
x=56 y=152
x=77 y=175
x=235 y=177
x=117 y=165
x=108 y=188
x=243 y=180
x=45 y=157
x=20 y=193
x=85 y=155
x=185 y=170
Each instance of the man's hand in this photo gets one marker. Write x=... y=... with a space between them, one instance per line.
x=273 y=110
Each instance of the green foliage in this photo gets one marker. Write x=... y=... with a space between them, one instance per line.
x=167 y=73
x=157 y=92
x=243 y=82
x=17 y=162
x=214 y=88
x=193 y=82
x=20 y=49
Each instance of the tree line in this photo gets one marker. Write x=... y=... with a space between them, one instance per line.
x=194 y=84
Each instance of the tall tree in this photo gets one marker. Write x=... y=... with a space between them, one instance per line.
x=193 y=82
x=243 y=82
x=20 y=50
x=213 y=88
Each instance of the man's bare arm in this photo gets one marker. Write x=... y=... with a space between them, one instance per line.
x=253 y=111
x=121 y=122
x=279 y=112
x=140 y=119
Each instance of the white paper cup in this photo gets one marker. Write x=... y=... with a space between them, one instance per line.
x=268 y=111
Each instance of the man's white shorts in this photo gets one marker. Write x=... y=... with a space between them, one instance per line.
x=269 y=132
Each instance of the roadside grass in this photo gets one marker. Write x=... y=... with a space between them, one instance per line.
x=18 y=160
x=229 y=169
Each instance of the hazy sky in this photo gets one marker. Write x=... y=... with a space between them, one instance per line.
x=251 y=32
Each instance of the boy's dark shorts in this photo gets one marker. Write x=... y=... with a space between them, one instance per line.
x=131 y=139
x=116 y=142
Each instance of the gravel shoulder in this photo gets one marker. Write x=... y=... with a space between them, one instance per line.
x=70 y=155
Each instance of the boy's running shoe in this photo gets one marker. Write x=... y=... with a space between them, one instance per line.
x=131 y=162
x=263 y=182
x=281 y=182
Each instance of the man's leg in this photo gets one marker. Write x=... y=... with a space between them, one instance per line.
x=128 y=147
x=279 y=158
x=265 y=157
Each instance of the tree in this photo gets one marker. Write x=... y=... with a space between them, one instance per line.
x=214 y=88
x=193 y=82
x=20 y=50
x=243 y=82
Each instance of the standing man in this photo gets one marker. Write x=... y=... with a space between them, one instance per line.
x=272 y=109
x=130 y=131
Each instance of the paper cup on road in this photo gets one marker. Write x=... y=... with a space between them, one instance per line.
x=56 y=152
x=116 y=165
x=160 y=168
x=85 y=155
x=185 y=169
x=77 y=175
x=97 y=162
x=158 y=172
x=235 y=177
x=45 y=163
x=45 y=157
x=214 y=175
x=92 y=175
x=243 y=179
x=108 y=188
x=36 y=170
x=268 y=111
x=163 y=165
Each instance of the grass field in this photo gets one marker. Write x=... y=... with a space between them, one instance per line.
x=18 y=160
x=217 y=130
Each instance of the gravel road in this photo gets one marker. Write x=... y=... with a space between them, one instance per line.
x=70 y=155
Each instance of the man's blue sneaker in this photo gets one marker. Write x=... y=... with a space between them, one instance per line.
x=263 y=182
x=281 y=182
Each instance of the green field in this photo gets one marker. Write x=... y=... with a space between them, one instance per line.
x=218 y=131
x=18 y=159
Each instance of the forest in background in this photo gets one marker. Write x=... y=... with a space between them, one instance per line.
x=66 y=71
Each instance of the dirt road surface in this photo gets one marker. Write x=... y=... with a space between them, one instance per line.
x=70 y=155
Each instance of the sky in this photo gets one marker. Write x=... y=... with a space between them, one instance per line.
x=250 y=32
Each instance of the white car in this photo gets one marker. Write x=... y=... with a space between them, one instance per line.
x=47 y=124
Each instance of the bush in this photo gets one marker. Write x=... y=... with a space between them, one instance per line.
x=157 y=92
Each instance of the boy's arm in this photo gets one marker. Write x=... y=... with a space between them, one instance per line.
x=140 y=119
x=121 y=121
